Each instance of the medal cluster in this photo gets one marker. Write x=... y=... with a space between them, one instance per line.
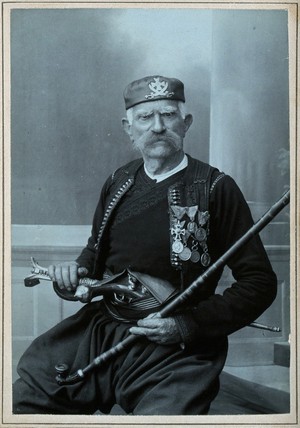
x=189 y=234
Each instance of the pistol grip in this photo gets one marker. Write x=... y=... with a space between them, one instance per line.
x=31 y=282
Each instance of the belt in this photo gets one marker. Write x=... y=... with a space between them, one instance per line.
x=146 y=294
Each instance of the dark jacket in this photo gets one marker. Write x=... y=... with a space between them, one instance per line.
x=209 y=315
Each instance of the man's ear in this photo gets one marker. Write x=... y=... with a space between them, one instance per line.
x=188 y=120
x=126 y=126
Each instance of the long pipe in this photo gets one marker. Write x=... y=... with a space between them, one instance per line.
x=179 y=300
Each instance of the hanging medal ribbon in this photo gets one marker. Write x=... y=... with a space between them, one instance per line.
x=178 y=232
x=205 y=258
x=178 y=211
x=195 y=256
x=191 y=212
x=203 y=217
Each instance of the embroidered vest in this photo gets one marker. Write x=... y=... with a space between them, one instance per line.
x=188 y=201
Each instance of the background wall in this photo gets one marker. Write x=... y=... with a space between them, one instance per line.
x=249 y=99
x=69 y=69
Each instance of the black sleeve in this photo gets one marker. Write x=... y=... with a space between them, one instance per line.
x=87 y=256
x=255 y=283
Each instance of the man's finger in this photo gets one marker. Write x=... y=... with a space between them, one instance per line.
x=140 y=331
x=66 y=277
x=58 y=276
x=73 y=275
x=151 y=335
x=51 y=272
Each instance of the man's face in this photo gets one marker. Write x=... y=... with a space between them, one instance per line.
x=157 y=128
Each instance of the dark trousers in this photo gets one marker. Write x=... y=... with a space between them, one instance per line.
x=148 y=379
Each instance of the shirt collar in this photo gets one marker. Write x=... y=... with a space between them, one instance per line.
x=160 y=177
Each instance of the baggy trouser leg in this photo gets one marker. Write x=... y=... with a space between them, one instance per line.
x=166 y=380
x=76 y=341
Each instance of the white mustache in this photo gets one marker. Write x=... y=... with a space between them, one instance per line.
x=151 y=138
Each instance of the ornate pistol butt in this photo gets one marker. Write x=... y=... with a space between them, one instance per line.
x=86 y=290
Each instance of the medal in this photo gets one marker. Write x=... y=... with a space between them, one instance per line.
x=200 y=234
x=203 y=217
x=205 y=259
x=191 y=212
x=191 y=227
x=178 y=232
x=195 y=256
x=185 y=254
x=177 y=247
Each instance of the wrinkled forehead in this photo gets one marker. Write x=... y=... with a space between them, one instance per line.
x=160 y=106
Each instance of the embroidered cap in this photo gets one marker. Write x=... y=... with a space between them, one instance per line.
x=152 y=88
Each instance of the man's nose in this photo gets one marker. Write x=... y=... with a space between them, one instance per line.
x=158 y=125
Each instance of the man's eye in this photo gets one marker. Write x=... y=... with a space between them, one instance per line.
x=169 y=114
x=145 y=116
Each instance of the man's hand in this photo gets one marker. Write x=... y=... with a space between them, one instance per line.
x=163 y=331
x=66 y=274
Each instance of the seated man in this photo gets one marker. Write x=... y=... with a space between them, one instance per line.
x=160 y=222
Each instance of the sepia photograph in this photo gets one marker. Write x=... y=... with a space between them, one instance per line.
x=149 y=214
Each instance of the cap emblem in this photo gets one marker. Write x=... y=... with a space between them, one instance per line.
x=158 y=88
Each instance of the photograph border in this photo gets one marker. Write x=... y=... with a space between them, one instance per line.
x=9 y=420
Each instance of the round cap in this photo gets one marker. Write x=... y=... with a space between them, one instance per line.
x=152 y=88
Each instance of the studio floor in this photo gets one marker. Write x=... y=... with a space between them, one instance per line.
x=253 y=390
